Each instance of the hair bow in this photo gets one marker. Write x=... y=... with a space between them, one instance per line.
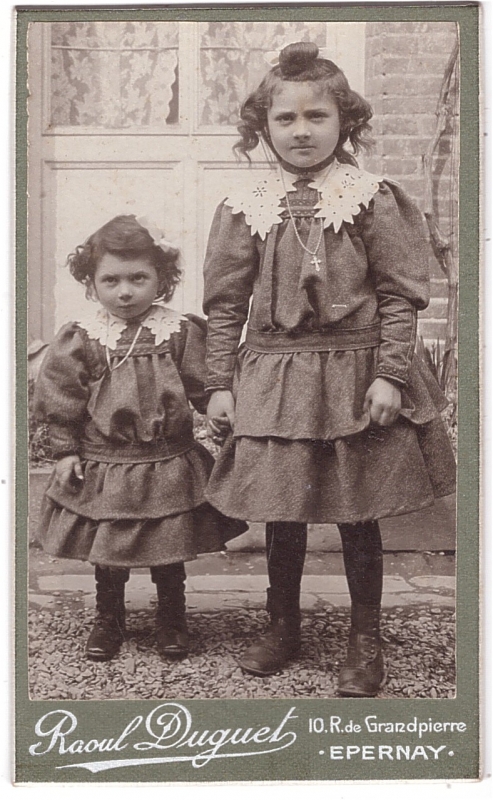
x=156 y=235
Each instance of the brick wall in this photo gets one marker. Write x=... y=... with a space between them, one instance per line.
x=405 y=64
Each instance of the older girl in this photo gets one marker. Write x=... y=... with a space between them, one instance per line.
x=333 y=418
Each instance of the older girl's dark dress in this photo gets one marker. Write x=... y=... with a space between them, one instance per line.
x=322 y=326
x=125 y=410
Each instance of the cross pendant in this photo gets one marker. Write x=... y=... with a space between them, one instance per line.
x=316 y=263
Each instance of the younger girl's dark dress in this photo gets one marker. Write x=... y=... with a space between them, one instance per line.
x=322 y=325
x=125 y=410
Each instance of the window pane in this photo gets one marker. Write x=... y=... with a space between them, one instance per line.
x=232 y=61
x=114 y=74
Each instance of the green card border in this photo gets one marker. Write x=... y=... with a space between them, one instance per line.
x=302 y=761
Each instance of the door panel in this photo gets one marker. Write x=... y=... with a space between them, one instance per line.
x=103 y=191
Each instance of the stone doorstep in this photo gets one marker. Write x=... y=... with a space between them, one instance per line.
x=209 y=602
x=317 y=584
x=213 y=593
x=434 y=582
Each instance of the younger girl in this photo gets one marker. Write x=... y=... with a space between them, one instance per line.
x=335 y=419
x=128 y=486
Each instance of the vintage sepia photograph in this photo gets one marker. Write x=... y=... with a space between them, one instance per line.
x=132 y=137
x=243 y=365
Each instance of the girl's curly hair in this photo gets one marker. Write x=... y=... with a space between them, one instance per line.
x=300 y=63
x=126 y=238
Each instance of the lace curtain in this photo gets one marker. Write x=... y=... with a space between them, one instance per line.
x=232 y=61
x=119 y=75
x=114 y=74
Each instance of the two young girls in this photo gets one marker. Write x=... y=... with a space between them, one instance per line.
x=333 y=418
x=128 y=486
x=327 y=413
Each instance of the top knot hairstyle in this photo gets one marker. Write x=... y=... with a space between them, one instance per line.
x=127 y=239
x=300 y=62
x=295 y=59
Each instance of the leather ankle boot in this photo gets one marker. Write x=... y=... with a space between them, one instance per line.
x=108 y=632
x=281 y=641
x=363 y=673
x=171 y=625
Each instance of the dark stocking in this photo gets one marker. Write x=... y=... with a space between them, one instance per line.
x=362 y=551
x=286 y=549
x=363 y=672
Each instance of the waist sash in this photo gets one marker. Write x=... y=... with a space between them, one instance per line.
x=137 y=453
x=313 y=341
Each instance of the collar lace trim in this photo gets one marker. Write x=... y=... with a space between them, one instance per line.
x=99 y=324
x=341 y=193
x=260 y=200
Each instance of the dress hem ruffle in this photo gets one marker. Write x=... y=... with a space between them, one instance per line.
x=380 y=472
x=384 y=514
x=135 y=543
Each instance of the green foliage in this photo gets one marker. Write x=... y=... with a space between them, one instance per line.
x=39 y=444
x=439 y=362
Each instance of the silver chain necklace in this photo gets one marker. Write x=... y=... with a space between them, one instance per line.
x=127 y=354
x=314 y=261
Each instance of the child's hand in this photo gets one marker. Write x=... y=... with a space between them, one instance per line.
x=220 y=428
x=383 y=401
x=69 y=473
x=220 y=415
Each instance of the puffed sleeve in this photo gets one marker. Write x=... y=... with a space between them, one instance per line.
x=397 y=250
x=62 y=390
x=231 y=264
x=188 y=352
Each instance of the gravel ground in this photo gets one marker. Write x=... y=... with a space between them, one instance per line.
x=419 y=652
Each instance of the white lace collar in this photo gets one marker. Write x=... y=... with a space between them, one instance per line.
x=260 y=199
x=341 y=192
x=99 y=324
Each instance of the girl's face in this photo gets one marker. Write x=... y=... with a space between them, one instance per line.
x=303 y=124
x=125 y=288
